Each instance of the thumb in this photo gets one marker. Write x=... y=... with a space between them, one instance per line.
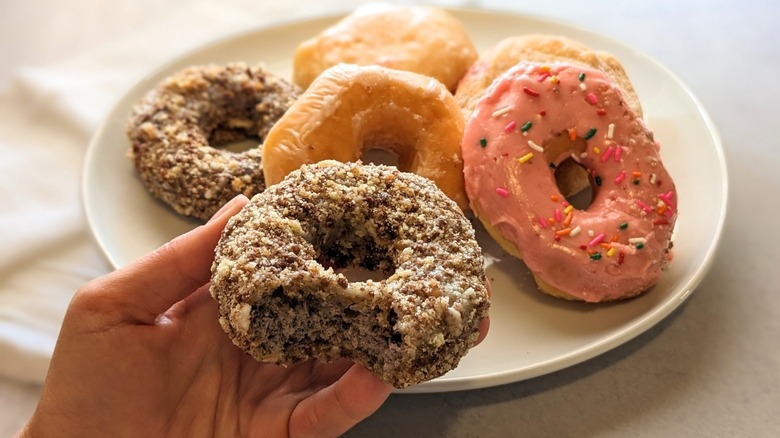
x=338 y=407
x=152 y=284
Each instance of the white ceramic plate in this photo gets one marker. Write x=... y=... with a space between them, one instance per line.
x=530 y=334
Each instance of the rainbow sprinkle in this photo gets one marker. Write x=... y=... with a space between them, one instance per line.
x=535 y=146
x=644 y=206
x=607 y=154
x=530 y=92
x=525 y=158
x=505 y=110
x=598 y=239
x=618 y=153
x=510 y=126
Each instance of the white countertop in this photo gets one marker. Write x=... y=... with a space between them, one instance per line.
x=712 y=368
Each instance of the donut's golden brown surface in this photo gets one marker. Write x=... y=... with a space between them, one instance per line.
x=420 y=39
x=350 y=109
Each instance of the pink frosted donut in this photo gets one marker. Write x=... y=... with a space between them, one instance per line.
x=533 y=118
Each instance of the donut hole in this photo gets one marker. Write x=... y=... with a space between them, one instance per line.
x=241 y=145
x=236 y=135
x=355 y=274
x=351 y=270
x=572 y=180
x=357 y=258
x=377 y=155
x=571 y=177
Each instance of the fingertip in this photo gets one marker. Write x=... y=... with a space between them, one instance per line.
x=374 y=386
x=229 y=209
x=152 y=284
x=484 y=327
x=337 y=408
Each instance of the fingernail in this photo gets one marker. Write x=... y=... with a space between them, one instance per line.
x=225 y=208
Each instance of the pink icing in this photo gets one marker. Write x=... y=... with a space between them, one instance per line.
x=615 y=247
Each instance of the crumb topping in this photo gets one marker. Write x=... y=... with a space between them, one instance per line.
x=177 y=129
x=413 y=326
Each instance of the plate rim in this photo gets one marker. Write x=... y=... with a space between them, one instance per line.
x=586 y=352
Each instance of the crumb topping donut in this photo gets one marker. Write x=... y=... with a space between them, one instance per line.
x=544 y=49
x=176 y=128
x=420 y=39
x=279 y=303
x=613 y=249
x=350 y=109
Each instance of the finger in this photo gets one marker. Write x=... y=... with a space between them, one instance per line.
x=336 y=408
x=326 y=374
x=151 y=285
x=484 y=326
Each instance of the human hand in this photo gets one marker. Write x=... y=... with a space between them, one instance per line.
x=141 y=353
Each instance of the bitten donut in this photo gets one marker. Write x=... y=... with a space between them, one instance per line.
x=420 y=39
x=279 y=303
x=173 y=128
x=544 y=49
x=350 y=109
x=613 y=249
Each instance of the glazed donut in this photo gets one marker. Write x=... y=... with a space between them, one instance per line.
x=420 y=39
x=350 y=109
x=173 y=128
x=613 y=249
x=279 y=303
x=544 y=49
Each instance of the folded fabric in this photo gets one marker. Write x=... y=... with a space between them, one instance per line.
x=48 y=118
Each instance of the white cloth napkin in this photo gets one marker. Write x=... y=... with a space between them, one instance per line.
x=46 y=120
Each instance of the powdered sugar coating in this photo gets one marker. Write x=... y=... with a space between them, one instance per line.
x=280 y=304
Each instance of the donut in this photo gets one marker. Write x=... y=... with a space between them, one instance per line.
x=420 y=39
x=279 y=302
x=544 y=49
x=175 y=131
x=350 y=109
x=616 y=247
